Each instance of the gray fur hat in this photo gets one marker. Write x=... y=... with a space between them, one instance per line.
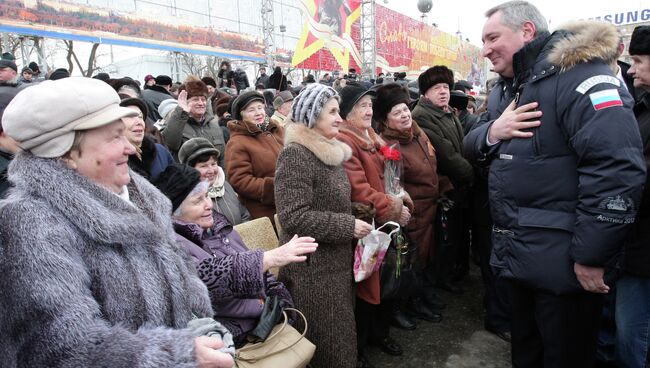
x=310 y=101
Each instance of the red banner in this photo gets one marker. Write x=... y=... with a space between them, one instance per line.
x=407 y=45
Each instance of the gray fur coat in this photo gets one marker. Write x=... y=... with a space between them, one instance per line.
x=89 y=280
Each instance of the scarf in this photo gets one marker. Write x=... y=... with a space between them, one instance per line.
x=402 y=136
x=265 y=125
x=218 y=189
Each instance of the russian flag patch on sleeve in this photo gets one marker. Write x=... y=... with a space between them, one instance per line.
x=605 y=98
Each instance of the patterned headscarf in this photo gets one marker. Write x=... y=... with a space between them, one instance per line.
x=310 y=101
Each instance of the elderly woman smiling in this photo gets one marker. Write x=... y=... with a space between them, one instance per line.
x=200 y=154
x=91 y=273
x=237 y=278
x=150 y=158
x=251 y=154
x=313 y=197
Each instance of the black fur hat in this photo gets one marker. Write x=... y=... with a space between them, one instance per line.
x=434 y=75
x=640 y=41
x=389 y=96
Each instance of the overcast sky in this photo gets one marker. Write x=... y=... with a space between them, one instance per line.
x=468 y=15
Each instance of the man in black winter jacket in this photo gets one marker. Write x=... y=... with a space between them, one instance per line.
x=566 y=175
x=633 y=288
x=156 y=94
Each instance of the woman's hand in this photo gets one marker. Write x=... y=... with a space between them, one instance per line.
x=293 y=251
x=207 y=355
x=182 y=101
x=361 y=228
x=404 y=217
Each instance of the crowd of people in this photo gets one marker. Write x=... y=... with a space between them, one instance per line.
x=119 y=206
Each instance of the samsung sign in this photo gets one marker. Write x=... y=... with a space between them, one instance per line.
x=637 y=16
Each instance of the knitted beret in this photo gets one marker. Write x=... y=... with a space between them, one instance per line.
x=310 y=101
x=177 y=182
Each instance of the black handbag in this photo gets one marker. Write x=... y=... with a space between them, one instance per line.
x=271 y=316
x=398 y=278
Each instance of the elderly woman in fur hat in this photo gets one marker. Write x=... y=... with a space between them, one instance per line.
x=365 y=170
x=312 y=194
x=420 y=180
x=190 y=119
x=251 y=153
x=91 y=272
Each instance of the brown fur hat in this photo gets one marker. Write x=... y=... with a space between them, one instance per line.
x=194 y=87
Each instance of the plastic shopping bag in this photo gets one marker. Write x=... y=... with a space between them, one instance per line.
x=370 y=251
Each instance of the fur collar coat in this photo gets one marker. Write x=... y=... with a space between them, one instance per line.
x=90 y=279
x=313 y=199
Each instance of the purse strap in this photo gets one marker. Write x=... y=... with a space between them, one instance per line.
x=278 y=331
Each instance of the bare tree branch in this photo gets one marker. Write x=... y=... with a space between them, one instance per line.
x=69 y=45
x=92 y=60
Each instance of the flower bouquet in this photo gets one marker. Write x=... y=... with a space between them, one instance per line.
x=392 y=170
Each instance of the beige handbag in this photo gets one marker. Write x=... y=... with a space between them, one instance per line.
x=285 y=347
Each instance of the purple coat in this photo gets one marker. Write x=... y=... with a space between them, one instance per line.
x=232 y=273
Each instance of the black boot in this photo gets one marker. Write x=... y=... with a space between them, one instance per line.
x=450 y=287
x=419 y=310
x=388 y=346
x=401 y=320
x=432 y=299
x=363 y=362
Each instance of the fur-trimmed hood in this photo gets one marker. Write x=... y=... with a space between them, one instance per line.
x=330 y=151
x=587 y=40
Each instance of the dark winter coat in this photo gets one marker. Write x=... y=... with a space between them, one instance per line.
x=154 y=159
x=225 y=78
x=7 y=93
x=467 y=121
x=232 y=274
x=181 y=127
x=636 y=259
x=313 y=199
x=5 y=160
x=420 y=180
x=251 y=155
x=263 y=80
x=89 y=279
x=277 y=81
x=240 y=79
x=570 y=193
x=446 y=135
x=153 y=96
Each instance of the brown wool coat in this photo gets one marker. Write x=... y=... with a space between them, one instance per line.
x=313 y=199
x=365 y=171
x=250 y=165
x=420 y=181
